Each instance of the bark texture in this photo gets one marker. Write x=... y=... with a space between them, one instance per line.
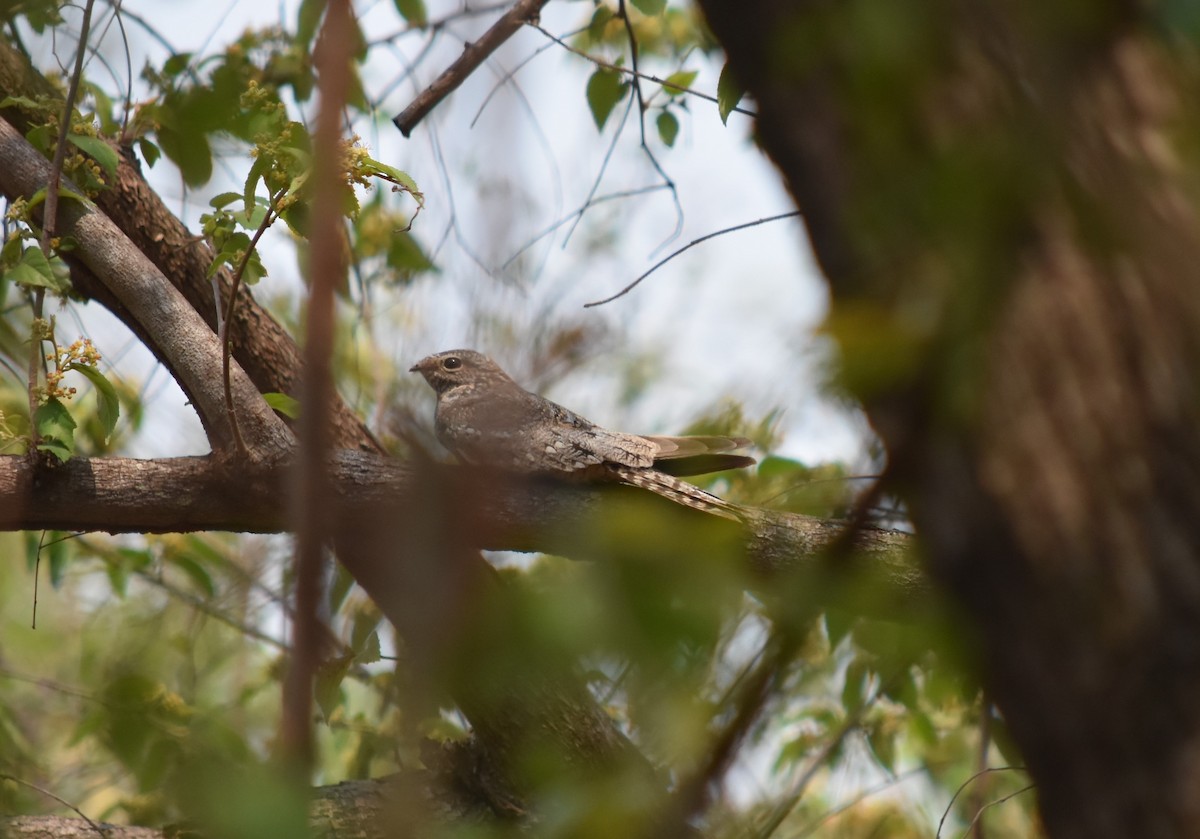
x=1044 y=431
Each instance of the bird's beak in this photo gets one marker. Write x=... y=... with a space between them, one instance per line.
x=416 y=368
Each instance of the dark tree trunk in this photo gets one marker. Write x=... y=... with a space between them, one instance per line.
x=1004 y=194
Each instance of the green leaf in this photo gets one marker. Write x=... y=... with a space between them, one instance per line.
x=366 y=622
x=54 y=420
x=253 y=218
x=108 y=405
x=177 y=63
x=853 y=689
x=104 y=108
x=729 y=93
x=599 y=23
x=10 y=252
x=190 y=151
x=258 y=170
x=342 y=582
x=677 y=80
x=369 y=652
x=397 y=176
x=195 y=572
x=604 y=90
x=328 y=687
x=838 y=625
x=48 y=544
x=33 y=270
x=22 y=102
x=883 y=744
x=150 y=152
x=668 y=127
x=55 y=548
x=31 y=549
x=59 y=448
x=254 y=270
x=307 y=20
x=413 y=11
x=100 y=150
x=56 y=428
x=284 y=404
x=650 y=7
x=405 y=256
x=221 y=201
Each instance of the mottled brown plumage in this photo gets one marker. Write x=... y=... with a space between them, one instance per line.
x=486 y=418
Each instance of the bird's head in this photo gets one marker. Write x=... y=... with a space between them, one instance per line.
x=455 y=368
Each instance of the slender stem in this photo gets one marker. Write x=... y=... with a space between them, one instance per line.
x=225 y=326
x=49 y=214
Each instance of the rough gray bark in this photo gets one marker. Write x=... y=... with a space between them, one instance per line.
x=184 y=494
x=190 y=348
x=1046 y=442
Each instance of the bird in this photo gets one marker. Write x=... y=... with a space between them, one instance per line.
x=486 y=419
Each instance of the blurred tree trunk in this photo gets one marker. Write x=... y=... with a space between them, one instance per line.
x=1003 y=200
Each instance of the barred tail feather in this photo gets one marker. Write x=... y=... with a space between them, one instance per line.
x=681 y=492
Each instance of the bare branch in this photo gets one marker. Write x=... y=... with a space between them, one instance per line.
x=623 y=13
x=686 y=247
x=49 y=794
x=628 y=71
x=522 y=12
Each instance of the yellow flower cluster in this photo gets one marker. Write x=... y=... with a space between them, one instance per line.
x=82 y=351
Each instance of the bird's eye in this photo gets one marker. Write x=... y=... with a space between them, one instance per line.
x=451 y=363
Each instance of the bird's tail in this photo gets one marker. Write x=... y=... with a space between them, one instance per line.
x=681 y=492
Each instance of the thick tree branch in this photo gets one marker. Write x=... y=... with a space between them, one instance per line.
x=191 y=349
x=541 y=709
x=260 y=343
x=201 y=493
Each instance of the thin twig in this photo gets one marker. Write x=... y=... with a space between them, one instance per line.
x=226 y=323
x=202 y=605
x=623 y=12
x=811 y=828
x=979 y=815
x=976 y=803
x=61 y=801
x=626 y=71
x=686 y=247
x=608 y=153
x=694 y=793
x=967 y=783
x=806 y=484
x=785 y=807
x=49 y=214
x=37 y=575
x=546 y=231
x=509 y=74
x=522 y=12
x=440 y=23
x=60 y=150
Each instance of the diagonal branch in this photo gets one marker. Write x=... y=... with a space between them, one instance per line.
x=189 y=348
x=260 y=344
x=474 y=54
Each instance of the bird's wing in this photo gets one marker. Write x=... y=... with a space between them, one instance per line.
x=575 y=444
x=699 y=455
x=670 y=448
